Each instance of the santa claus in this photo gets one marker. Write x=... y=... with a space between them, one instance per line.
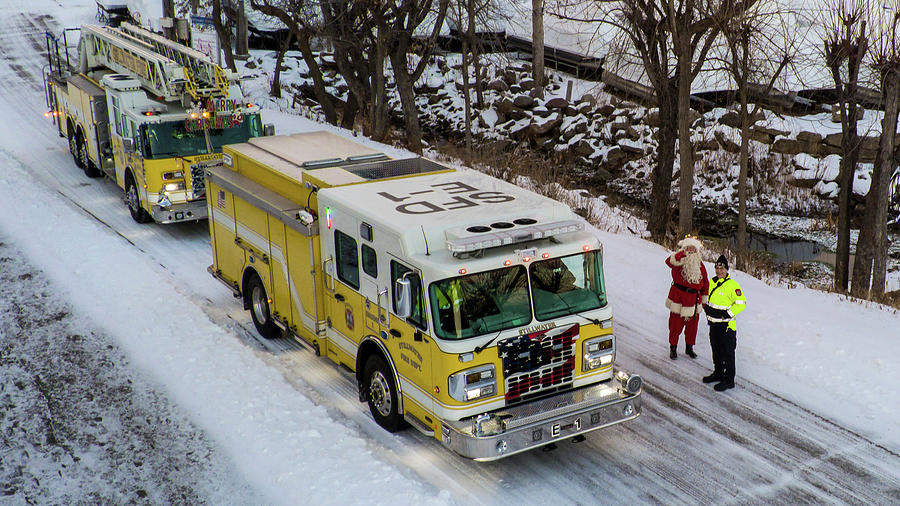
x=689 y=291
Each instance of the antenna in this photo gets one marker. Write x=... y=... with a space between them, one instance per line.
x=426 y=239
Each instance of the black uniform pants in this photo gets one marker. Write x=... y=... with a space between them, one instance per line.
x=723 y=341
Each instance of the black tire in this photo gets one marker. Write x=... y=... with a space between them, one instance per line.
x=90 y=170
x=381 y=392
x=73 y=148
x=259 y=308
x=133 y=201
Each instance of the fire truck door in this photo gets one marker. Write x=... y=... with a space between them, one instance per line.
x=408 y=341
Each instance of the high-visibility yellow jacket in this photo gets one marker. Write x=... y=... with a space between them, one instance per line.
x=726 y=300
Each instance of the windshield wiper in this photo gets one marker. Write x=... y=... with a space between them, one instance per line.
x=572 y=311
x=479 y=349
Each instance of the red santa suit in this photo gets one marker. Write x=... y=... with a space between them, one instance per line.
x=684 y=300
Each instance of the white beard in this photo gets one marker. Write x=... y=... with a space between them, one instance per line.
x=690 y=268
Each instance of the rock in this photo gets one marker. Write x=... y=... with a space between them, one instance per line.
x=504 y=106
x=621 y=123
x=606 y=110
x=615 y=157
x=498 y=85
x=587 y=98
x=541 y=111
x=557 y=103
x=520 y=131
x=570 y=111
x=809 y=137
x=834 y=139
x=726 y=143
x=652 y=118
x=510 y=77
x=515 y=89
x=582 y=148
x=786 y=146
x=584 y=107
x=540 y=128
x=523 y=101
x=527 y=84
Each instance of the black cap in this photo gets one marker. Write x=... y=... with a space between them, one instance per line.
x=722 y=261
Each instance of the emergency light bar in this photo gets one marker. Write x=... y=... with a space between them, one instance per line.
x=519 y=234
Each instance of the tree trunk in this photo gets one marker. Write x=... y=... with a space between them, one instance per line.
x=661 y=190
x=275 y=89
x=881 y=176
x=315 y=72
x=685 y=149
x=849 y=160
x=348 y=116
x=379 y=115
x=475 y=47
x=741 y=246
x=223 y=31
x=407 y=97
x=537 y=44
x=467 y=97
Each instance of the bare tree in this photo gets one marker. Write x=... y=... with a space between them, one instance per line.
x=303 y=23
x=360 y=52
x=845 y=47
x=671 y=40
x=759 y=45
x=871 y=246
x=224 y=21
x=399 y=22
x=537 y=44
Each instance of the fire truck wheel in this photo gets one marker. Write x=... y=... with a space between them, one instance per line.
x=90 y=170
x=133 y=201
x=382 y=394
x=73 y=148
x=259 y=309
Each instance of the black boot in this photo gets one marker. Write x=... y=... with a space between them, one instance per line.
x=712 y=378
x=689 y=351
x=723 y=385
x=672 y=353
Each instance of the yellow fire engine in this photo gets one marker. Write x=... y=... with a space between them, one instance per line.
x=149 y=113
x=469 y=308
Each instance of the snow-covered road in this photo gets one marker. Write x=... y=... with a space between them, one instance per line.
x=290 y=425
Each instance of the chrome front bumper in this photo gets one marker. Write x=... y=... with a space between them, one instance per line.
x=174 y=213
x=544 y=421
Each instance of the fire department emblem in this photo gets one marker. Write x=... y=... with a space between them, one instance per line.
x=348 y=318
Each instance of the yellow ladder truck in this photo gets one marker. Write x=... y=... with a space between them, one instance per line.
x=469 y=308
x=147 y=112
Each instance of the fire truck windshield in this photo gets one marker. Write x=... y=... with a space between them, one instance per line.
x=567 y=285
x=485 y=302
x=477 y=304
x=184 y=138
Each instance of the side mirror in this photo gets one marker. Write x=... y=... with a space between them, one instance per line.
x=128 y=144
x=269 y=129
x=403 y=297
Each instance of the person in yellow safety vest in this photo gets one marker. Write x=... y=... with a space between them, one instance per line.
x=726 y=301
x=449 y=307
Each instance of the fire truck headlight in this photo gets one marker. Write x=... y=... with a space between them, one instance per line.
x=174 y=187
x=599 y=352
x=472 y=384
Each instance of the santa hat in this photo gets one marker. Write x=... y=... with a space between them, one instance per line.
x=690 y=241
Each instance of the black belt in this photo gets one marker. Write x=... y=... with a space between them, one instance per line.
x=685 y=288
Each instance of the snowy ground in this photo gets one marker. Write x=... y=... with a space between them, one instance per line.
x=815 y=417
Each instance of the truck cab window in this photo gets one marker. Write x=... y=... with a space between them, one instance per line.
x=417 y=317
x=347 y=259
x=369 y=261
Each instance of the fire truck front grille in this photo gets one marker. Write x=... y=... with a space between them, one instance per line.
x=198 y=178
x=538 y=363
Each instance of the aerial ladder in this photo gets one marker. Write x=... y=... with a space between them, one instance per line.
x=169 y=70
